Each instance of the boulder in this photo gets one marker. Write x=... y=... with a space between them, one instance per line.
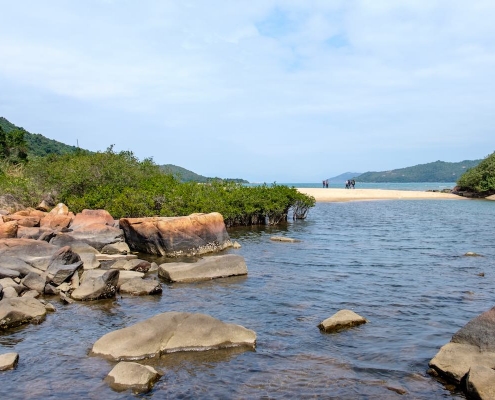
x=26 y=221
x=56 y=221
x=8 y=361
x=59 y=209
x=36 y=253
x=91 y=217
x=17 y=264
x=102 y=287
x=116 y=248
x=132 y=265
x=124 y=276
x=89 y=261
x=19 y=311
x=9 y=293
x=34 y=281
x=9 y=273
x=473 y=344
x=171 y=332
x=341 y=320
x=140 y=287
x=35 y=233
x=206 y=268
x=10 y=203
x=9 y=282
x=8 y=230
x=31 y=293
x=96 y=235
x=63 y=264
x=131 y=375
x=176 y=236
x=480 y=383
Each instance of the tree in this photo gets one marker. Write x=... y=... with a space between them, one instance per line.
x=13 y=146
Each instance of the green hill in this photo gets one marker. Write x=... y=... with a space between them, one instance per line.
x=438 y=171
x=38 y=145
x=188 y=176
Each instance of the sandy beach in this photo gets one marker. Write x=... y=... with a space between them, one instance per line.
x=337 y=195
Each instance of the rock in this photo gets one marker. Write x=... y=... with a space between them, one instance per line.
x=9 y=282
x=284 y=239
x=141 y=287
x=56 y=221
x=63 y=264
x=10 y=203
x=59 y=209
x=43 y=206
x=171 y=332
x=8 y=361
x=26 y=221
x=35 y=233
x=133 y=265
x=92 y=217
x=51 y=290
x=36 y=253
x=341 y=320
x=17 y=264
x=66 y=299
x=471 y=254
x=35 y=282
x=236 y=245
x=64 y=287
x=176 y=236
x=153 y=267
x=115 y=257
x=8 y=273
x=479 y=332
x=473 y=344
x=96 y=235
x=116 y=248
x=31 y=293
x=19 y=311
x=9 y=293
x=102 y=287
x=8 y=230
x=124 y=276
x=480 y=383
x=206 y=268
x=131 y=375
x=89 y=261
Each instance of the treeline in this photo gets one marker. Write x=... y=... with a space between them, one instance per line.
x=480 y=179
x=186 y=175
x=128 y=187
x=438 y=171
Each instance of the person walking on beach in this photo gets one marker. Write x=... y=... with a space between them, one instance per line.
x=353 y=183
x=326 y=183
x=323 y=184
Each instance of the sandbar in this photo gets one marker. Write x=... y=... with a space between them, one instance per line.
x=340 y=195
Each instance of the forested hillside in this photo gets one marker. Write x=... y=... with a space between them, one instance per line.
x=37 y=144
x=438 y=171
x=188 y=176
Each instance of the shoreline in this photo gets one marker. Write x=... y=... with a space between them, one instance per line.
x=343 y=195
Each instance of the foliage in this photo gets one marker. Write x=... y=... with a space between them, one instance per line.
x=438 y=171
x=37 y=145
x=480 y=179
x=13 y=148
x=127 y=187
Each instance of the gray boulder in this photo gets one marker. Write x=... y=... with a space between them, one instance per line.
x=36 y=253
x=131 y=375
x=17 y=264
x=34 y=281
x=141 y=287
x=8 y=361
x=19 y=311
x=102 y=287
x=171 y=332
x=479 y=332
x=341 y=320
x=9 y=273
x=206 y=268
x=9 y=293
x=116 y=248
x=132 y=265
x=124 y=276
x=63 y=264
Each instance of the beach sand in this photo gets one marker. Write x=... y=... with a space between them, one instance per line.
x=338 y=195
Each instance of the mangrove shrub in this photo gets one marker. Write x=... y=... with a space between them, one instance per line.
x=480 y=179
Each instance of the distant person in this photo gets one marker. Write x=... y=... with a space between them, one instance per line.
x=353 y=183
x=347 y=184
x=326 y=183
x=323 y=184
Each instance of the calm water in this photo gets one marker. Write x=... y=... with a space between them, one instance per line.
x=397 y=263
x=421 y=186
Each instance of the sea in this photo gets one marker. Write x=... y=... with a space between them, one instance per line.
x=401 y=264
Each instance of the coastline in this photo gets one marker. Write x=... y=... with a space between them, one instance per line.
x=342 y=195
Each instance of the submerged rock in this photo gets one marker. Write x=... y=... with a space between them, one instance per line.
x=284 y=239
x=206 y=268
x=131 y=375
x=171 y=332
x=176 y=236
x=341 y=320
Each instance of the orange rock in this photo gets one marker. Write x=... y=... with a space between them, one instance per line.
x=8 y=230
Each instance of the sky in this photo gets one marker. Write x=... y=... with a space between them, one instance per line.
x=265 y=90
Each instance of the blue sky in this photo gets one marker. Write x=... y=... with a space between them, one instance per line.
x=266 y=90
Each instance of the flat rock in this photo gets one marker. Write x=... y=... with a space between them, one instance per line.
x=141 y=287
x=284 y=239
x=19 y=311
x=102 y=287
x=115 y=257
x=9 y=273
x=171 y=332
x=17 y=264
x=116 y=248
x=8 y=361
x=206 y=268
x=132 y=265
x=480 y=383
x=124 y=276
x=89 y=261
x=131 y=375
x=341 y=320
x=176 y=236
x=36 y=253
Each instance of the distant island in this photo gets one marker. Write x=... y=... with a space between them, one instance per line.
x=438 y=171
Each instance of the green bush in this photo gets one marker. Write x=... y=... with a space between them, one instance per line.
x=480 y=179
x=127 y=187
